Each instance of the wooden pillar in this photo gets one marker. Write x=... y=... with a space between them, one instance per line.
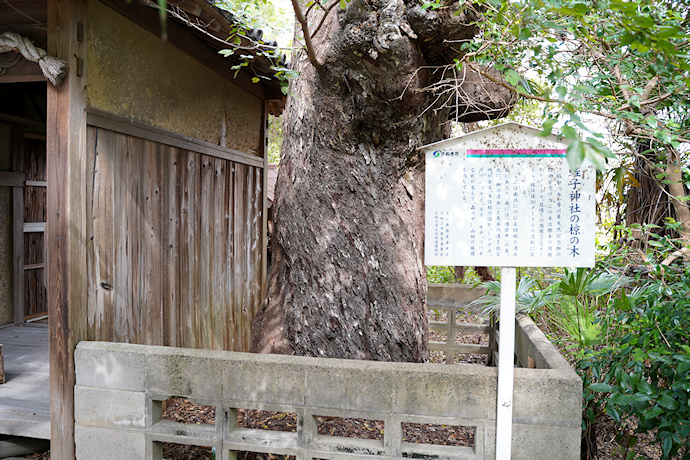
x=65 y=237
x=18 y=223
x=264 y=202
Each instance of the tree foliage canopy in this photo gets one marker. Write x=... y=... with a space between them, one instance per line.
x=619 y=64
x=623 y=60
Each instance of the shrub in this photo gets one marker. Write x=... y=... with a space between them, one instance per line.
x=647 y=375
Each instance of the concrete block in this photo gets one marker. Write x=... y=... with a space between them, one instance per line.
x=363 y=386
x=113 y=409
x=110 y=365
x=184 y=372
x=271 y=379
x=551 y=397
x=395 y=428
x=461 y=391
x=102 y=443
x=544 y=442
x=452 y=294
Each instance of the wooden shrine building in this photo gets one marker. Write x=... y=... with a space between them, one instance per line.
x=132 y=195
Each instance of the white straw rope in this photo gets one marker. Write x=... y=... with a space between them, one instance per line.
x=52 y=67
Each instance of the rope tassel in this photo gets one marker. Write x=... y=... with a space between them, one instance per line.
x=54 y=68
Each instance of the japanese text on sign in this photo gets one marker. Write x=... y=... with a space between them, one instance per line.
x=508 y=208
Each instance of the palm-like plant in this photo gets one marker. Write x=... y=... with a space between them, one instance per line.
x=529 y=297
x=571 y=301
x=577 y=318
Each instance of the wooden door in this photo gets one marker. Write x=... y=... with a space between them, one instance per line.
x=34 y=224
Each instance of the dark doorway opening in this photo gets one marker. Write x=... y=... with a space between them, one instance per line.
x=23 y=184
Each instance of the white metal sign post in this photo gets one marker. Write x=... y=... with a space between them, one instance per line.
x=487 y=205
x=506 y=351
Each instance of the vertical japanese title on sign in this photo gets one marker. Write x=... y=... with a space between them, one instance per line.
x=508 y=208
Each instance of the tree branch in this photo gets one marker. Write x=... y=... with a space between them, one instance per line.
x=621 y=83
x=676 y=188
x=649 y=87
x=651 y=102
x=323 y=19
x=307 y=37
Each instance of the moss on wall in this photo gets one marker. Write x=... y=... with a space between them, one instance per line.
x=6 y=279
x=135 y=74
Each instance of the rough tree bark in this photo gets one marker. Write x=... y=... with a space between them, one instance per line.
x=347 y=277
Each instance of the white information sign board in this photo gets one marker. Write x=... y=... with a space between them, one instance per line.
x=508 y=208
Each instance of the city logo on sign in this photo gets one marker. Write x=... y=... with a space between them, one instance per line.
x=441 y=153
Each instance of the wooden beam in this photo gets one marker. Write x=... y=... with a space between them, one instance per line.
x=24 y=13
x=33 y=266
x=66 y=233
x=14 y=119
x=118 y=124
x=24 y=71
x=11 y=179
x=18 y=223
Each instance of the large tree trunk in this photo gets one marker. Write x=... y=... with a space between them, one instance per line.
x=653 y=201
x=347 y=277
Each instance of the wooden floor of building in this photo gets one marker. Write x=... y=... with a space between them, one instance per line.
x=25 y=397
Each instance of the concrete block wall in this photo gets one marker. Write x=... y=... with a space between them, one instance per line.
x=120 y=388
x=452 y=299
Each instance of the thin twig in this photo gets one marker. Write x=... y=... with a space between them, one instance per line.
x=662 y=335
x=656 y=100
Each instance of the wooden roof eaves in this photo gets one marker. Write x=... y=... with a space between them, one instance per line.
x=217 y=27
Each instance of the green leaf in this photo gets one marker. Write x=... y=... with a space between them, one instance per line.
x=627 y=39
x=683 y=368
x=525 y=33
x=667 y=402
x=613 y=412
x=575 y=154
x=645 y=387
x=569 y=133
x=666 y=446
x=654 y=412
x=602 y=387
x=547 y=127
x=255 y=80
x=667 y=31
x=595 y=157
x=600 y=147
x=512 y=77
x=343 y=4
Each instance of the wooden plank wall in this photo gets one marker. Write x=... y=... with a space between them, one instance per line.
x=174 y=253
